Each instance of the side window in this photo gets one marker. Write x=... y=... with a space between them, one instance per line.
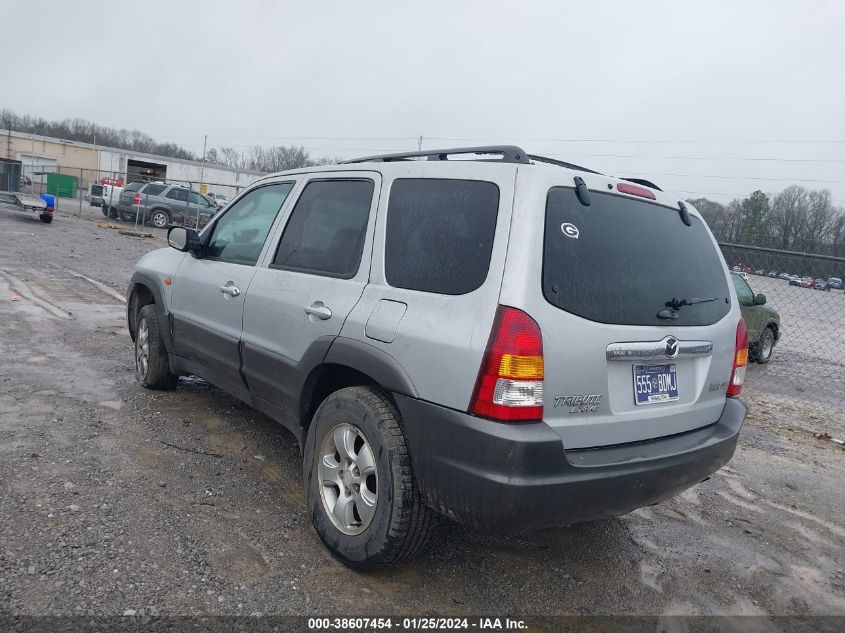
x=743 y=290
x=200 y=200
x=239 y=235
x=326 y=230
x=179 y=195
x=154 y=190
x=440 y=234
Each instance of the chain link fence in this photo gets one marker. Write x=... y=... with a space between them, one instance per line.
x=805 y=291
x=95 y=194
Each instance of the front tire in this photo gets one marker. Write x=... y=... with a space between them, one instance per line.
x=46 y=218
x=762 y=351
x=360 y=487
x=152 y=369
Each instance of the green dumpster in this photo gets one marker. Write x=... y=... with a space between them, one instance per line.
x=62 y=185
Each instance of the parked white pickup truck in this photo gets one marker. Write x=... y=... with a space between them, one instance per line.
x=110 y=195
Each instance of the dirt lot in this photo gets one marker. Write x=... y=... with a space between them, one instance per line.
x=113 y=498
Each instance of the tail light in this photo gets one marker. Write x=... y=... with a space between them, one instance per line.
x=740 y=360
x=510 y=381
x=635 y=190
x=136 y=199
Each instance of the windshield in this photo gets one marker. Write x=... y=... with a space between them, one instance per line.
x=621 y=261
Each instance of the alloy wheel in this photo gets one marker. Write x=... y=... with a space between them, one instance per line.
x=348 y=479
x=142 y=350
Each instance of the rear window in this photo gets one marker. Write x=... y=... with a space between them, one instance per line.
x=134 y=186
x=620 y=260
x=440 y=234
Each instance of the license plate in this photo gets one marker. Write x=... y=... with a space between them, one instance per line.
x=655 y=383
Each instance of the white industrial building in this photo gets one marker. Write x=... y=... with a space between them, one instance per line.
x=41 y=155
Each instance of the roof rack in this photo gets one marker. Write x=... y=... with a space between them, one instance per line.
x=560 y=163
x=508 y=153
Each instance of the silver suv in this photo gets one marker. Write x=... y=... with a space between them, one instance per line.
x=507 y=340
x=161 y=205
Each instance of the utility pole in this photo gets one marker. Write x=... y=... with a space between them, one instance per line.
x=202 y=169
x=9 y=137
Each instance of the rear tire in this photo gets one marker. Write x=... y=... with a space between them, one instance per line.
x=46 y=218
x=367 y=467
x=152 y=368
x=159 y=218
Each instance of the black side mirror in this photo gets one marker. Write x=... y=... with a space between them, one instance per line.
x=760 y=299
x=185 y=240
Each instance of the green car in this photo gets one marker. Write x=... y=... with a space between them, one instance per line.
x=763 y=322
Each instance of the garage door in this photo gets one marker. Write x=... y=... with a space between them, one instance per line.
x=37 y=167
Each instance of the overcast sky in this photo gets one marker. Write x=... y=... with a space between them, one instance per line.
x=616 y=86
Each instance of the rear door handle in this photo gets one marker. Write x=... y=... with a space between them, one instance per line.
x=230 y=289
x=318 y=310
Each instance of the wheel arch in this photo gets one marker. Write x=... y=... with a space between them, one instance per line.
x=774 y=326
x=351 y=363
x=143 y=290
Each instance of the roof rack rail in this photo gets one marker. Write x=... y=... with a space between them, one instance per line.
x=560 y=163
x=509 y=154
x=643 y=182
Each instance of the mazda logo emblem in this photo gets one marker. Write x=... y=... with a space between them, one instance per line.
x=671 y=347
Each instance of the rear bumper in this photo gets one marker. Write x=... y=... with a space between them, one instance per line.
x=503 y=477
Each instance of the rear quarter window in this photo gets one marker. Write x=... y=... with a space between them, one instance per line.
x=439 y=234
x=154 y=190
x=620 y=260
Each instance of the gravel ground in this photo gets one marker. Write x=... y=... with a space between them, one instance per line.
x=113 y=498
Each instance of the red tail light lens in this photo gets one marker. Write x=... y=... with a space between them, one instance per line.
x=136 y=199
x=635 y=190
x=510 y=382
x=740 y=360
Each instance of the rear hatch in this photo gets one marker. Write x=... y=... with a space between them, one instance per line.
x=621 y=364
x=127 y=196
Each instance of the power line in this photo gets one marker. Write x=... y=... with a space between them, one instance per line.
x=723 y=193
x=744 y=158
x=532 y=140
x=788 y=179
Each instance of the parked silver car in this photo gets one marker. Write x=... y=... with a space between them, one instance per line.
x=514 y=343
x=218 y=198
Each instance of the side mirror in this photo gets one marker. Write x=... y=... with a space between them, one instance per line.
x=760 y=299
x=184 y=239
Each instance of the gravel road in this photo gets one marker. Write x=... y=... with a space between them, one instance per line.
x=116 y=499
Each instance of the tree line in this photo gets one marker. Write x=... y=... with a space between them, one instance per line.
x=257 y=158
x=796 y=219
x=87 y=132
x=266 y=159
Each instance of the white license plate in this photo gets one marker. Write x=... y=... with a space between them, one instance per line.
x=655 y=383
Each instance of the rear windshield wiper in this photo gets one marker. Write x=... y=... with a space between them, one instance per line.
x=675 y=304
